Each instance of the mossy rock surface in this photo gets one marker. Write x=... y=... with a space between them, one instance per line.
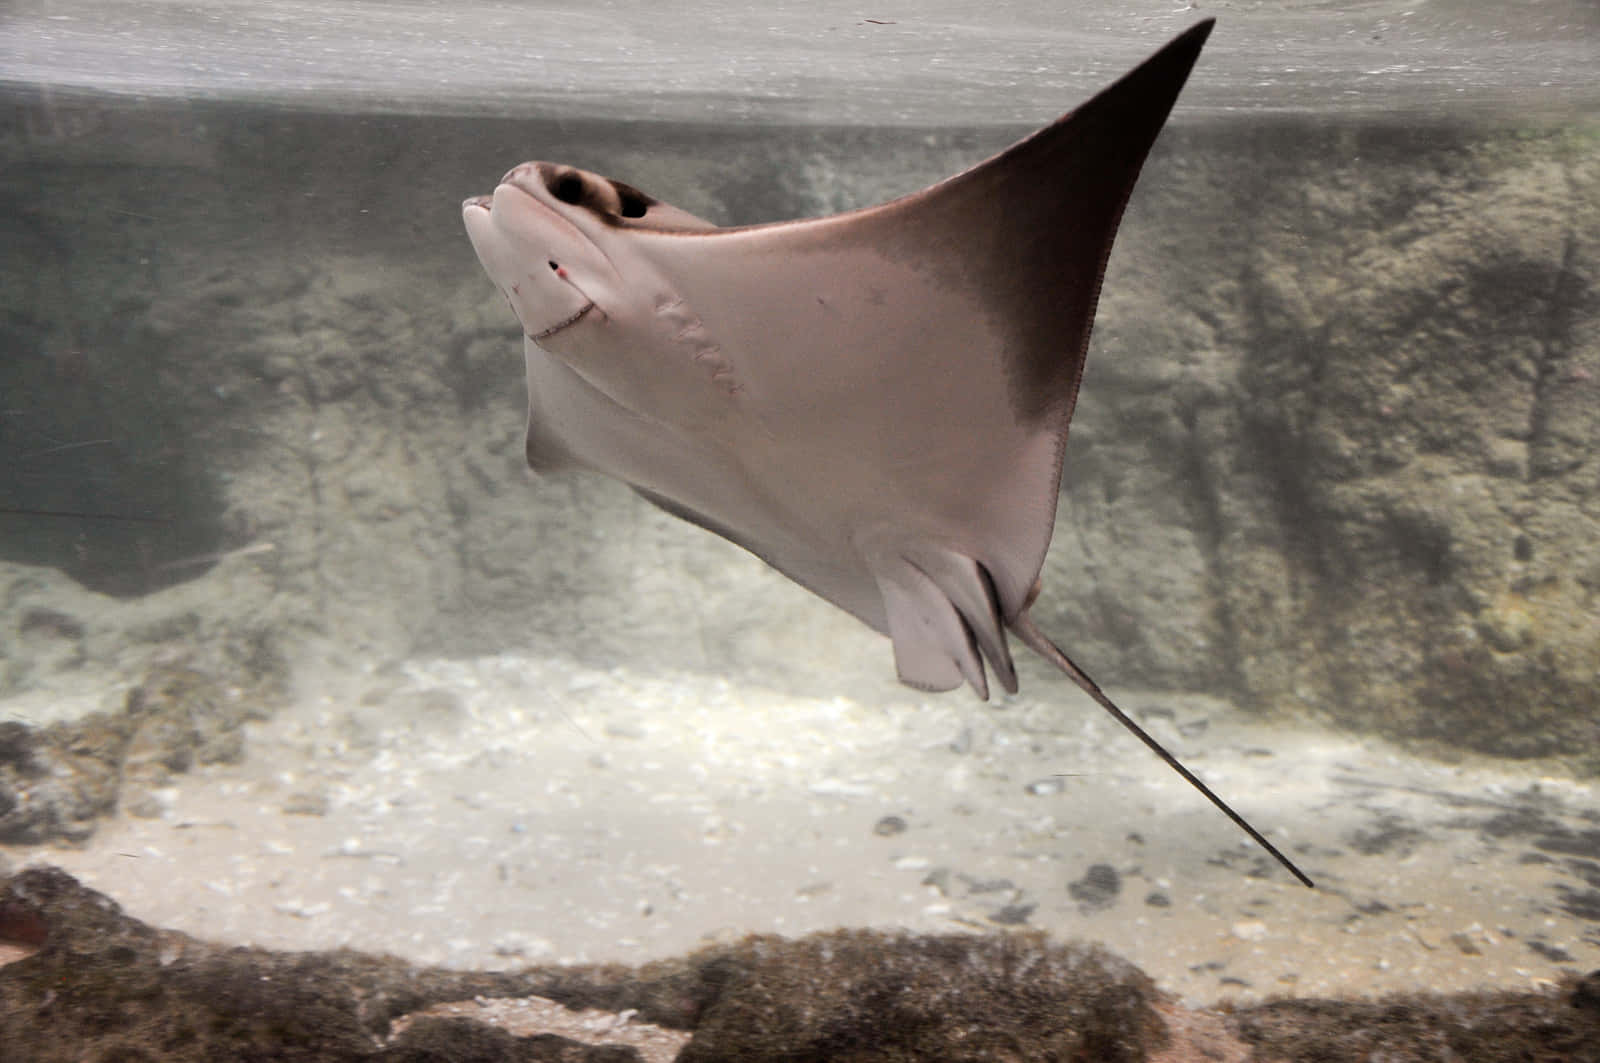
x=79 y=979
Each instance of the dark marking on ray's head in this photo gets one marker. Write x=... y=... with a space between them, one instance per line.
x=606 y=198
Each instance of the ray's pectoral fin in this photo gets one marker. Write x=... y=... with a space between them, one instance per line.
x=1039 y=643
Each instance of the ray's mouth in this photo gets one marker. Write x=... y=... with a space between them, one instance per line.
x=559 y=325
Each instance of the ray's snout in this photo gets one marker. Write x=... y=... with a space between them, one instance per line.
x=519 y=170
x=541 y=263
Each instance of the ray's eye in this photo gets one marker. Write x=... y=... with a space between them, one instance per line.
x=554 y=265
x=568 y=188
x=633 y=207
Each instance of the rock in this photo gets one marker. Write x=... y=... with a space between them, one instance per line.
x=80 y=979
x=55 y=782
x=1097 y=889
x=889 y=826
x=1586 y=994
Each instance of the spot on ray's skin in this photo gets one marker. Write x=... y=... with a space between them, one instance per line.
x=875 y=403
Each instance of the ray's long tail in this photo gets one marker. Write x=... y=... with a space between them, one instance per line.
x=1023 y=627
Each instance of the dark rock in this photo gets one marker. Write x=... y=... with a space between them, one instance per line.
x=56 y=782
x=103 y=985
x=1097 y=889
x=1422 y=1028
x=1553 y=953
x=1586 y=994
x=864 y=995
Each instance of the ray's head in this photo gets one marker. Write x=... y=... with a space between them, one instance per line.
x=553 y=238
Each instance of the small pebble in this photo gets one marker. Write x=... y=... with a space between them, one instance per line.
x=1013 y=914
x=306 y=804
x=1249 y=930
x=889 y=826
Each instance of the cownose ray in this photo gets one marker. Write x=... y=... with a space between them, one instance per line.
x=874 y=403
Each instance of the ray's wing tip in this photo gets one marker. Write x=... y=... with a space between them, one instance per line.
x=1176 y=58
x=1193 y=37
x=1183 y=49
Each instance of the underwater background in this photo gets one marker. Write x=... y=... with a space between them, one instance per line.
x=295 y=652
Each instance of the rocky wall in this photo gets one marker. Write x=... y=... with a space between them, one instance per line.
x=1338 y=450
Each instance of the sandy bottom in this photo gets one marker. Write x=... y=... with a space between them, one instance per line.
x=501 y=811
